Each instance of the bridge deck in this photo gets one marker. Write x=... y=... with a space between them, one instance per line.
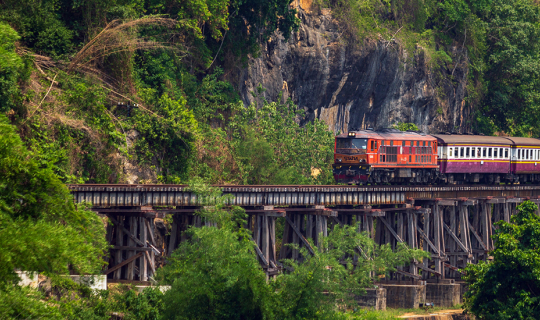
x=180 y=195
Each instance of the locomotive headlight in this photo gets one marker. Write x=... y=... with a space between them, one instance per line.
x=339 y=159
x=352 y=134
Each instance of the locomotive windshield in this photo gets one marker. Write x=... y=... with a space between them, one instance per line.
x=348 y=143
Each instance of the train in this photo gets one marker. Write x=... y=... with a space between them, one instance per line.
x=390 y=156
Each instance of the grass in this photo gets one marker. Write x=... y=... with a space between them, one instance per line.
x=391 y=314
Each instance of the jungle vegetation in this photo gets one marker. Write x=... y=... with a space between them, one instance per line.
x=92 y=88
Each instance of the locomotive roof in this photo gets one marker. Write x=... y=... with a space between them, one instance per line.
x=519 y=141
x=390 y=134
x=472 y=139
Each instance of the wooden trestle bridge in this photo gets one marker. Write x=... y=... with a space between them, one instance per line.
x=453 y=223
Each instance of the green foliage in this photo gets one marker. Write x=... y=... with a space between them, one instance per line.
x=166 y=136
x=405 y=126
x=40 y=227
x=216 y=275
x=311 y=290
x=507 y=287
x=11 y=68
x=297 y=151
x=253 y=22
x=39 y=25
x=24 y=303
x=41 y=230
x=79 y=302
x=513 y=66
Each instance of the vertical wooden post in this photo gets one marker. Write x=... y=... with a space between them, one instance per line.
x=318 y=229
x=437 y=238
x=283 y=251
x=265 y=245
x=464 y=231
x=153 y=240
x=131 y=243
x=309 y=226
x=411 y=225
x=370 y=226
x=272 y=233
x=379 y=232
x=507 y=212
x=172 y=239
x=296 y=239
x=485 y=226
x=324 y=225
x=427 y=222
x=119 y=242
x=453 y=245
x=143 y=263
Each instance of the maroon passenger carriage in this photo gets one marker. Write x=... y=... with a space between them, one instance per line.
x=486 y=159
x=473 y=159
x=525 y=163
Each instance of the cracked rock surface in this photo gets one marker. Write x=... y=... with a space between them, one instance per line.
x=350 y=86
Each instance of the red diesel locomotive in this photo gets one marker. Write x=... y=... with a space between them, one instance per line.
x=392 y=156
x=385 y=156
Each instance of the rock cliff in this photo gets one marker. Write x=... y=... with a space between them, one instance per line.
x=358 y=85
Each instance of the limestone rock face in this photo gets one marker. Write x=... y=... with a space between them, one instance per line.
x=358 y=85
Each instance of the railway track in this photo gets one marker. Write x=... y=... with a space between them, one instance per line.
x=111 y=195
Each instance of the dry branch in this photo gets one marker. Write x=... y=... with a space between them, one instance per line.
x=119 y=37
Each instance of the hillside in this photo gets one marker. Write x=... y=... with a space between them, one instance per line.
x=251 y=92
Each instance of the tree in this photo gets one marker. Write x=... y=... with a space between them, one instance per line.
x=11 y=68
x=41 y=229
x=509 y=286
x=313 y=287
x=216 y=275
x=405 y=126
x=512 y=72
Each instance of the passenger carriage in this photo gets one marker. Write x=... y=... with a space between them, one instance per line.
x=525 y=162
x=473 y=158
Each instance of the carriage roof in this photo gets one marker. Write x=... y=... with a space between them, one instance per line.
x=389 y=134
x=472 y=139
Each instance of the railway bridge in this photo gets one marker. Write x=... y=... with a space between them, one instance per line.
x=453 y=223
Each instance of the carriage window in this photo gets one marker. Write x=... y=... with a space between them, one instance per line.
x=472 y=152
x=467 y=152
x=403 y=143
x=490 y=152
x=450 y=152
x=483 y=152
x=461 y=152
x=495 y=152
x=506 y=153
x=478 y=152
x=500 y=152
x=429 y=143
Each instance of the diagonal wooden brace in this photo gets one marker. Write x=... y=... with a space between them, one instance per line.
x=427 y=239
x=308 y=246
x=456 y=239
x=390 y=228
